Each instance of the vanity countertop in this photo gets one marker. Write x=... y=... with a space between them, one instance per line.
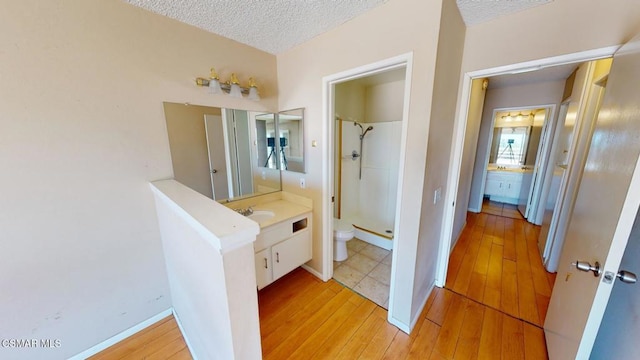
x=282 y=209
x=510 y=170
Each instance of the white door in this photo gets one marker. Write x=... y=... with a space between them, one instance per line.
x=217 y=163
x=584 y=117
x=603 y=216
x=622 y=310
x=564 y=151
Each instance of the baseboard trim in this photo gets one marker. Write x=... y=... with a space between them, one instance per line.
x=184 y=336
x=313 y=272
x=123 y=335
x=421 y=309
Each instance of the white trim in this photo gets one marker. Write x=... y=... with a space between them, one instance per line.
x=122 y=335
x=416 y=318
x=459 y=129
x=184 y=336
x=313 y=272
x=539 y=64
x=328 y=85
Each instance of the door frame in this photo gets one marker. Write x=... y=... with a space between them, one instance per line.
x=459 y=128
x=328 y=109
x=550 y=108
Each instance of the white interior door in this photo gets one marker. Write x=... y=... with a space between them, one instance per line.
x=603 y=216
x=217 y=162
x=564 y=152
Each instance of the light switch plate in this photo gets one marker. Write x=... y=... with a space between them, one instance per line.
x=437 y=195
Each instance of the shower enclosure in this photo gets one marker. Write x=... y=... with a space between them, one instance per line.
x=369 y=156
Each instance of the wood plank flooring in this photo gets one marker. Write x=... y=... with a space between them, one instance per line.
x=496 y=262
x=497 y=293
x=302 y=317
x=162 y=340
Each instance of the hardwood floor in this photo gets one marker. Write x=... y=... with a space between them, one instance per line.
x=303 y=318
x=162 y=340
x=496 y=297
x=496 y=263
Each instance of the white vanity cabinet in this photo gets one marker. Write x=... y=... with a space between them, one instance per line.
x=503 y=186
x=281 y=248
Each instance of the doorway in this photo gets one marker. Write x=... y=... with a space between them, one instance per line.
x=447 y=241
x=333 y=122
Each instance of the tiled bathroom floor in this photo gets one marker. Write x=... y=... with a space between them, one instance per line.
x=367 y=271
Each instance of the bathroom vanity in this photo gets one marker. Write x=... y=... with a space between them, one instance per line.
x=285 y=238
x=504 y=185
x=281 y=248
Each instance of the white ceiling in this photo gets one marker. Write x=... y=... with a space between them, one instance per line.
x=478 y=11
x=273 y=26
x=276 y=26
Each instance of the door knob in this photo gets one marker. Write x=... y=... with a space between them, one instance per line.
x=627 y=277
x=623 y=275
x=214 y=171
x=585 y=266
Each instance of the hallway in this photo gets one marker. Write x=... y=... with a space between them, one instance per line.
x=496 y=262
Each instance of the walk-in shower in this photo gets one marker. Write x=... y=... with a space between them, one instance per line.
x=367 y=179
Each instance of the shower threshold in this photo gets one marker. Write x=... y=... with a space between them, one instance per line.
x=372 y=231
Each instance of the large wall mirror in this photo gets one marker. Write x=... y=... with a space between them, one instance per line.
x=516 y=136
x=216 y=151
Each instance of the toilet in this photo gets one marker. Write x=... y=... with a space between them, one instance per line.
x=343 y=231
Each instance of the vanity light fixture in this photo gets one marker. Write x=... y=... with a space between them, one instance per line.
x=231 y=87
x=518 y=117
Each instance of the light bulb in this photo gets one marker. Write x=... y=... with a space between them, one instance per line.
x=235 y=91
x=253 y=90
x=214 y=86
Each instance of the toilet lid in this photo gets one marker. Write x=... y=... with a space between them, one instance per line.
x=342 y=226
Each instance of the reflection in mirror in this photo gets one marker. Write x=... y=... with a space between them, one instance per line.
x=291 y=130
x=265 y=144
x=212 y=152
x=516 y=136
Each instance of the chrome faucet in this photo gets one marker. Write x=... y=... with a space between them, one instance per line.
x=245 y=212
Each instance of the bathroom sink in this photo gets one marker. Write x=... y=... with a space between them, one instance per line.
x=261 y=215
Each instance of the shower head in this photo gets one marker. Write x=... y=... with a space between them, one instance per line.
x=366 y=131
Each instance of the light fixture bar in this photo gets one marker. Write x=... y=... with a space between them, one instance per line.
x=226 y=86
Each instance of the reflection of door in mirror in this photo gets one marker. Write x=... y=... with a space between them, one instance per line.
x=238 y=144
x=217 y=164
x=212 y=151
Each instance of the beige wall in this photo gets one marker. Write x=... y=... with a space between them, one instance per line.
x=349 y=105
x=397 y=27
x=83 y=131
x=188 y=144
x=445 y=90
x=474 y=118
x=570 y=26
x=384 y=102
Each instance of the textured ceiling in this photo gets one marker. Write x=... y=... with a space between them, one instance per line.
x=477 y=11
x=273 y=26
